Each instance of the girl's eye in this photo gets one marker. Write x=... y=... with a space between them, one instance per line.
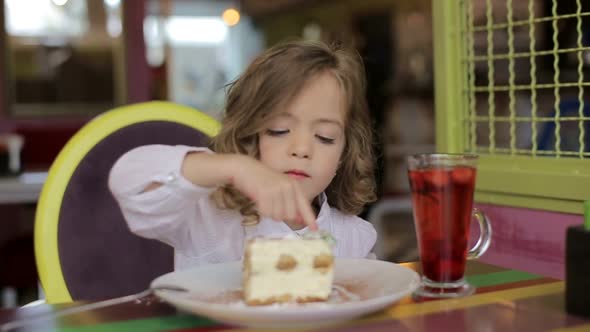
x=325 y=140
x=272 y=132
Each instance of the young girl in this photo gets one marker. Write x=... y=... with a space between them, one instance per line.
x=293 y=155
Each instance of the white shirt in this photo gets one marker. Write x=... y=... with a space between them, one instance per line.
x=182 y=215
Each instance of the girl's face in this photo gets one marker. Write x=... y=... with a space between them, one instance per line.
x=305 y=139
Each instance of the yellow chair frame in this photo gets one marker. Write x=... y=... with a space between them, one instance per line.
x=48 y=208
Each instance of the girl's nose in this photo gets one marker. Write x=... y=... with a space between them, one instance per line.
x=300 y=147
x=300 y=154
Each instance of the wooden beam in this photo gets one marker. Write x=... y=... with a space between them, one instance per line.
x=137 y=71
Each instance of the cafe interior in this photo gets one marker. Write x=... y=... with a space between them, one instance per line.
x=504 y=80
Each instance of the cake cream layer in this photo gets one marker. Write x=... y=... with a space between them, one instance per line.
x=288 y=269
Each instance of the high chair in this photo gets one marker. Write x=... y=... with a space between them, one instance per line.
x=83 y=248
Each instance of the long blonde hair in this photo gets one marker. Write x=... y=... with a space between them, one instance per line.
x=275 y=77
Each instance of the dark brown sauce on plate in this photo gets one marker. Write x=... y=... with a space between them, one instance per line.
x=342 y=292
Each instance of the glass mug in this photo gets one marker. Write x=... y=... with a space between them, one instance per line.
x=442 y=188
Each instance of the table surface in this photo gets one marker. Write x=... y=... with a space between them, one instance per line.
x=24 y=188
x=505 y=300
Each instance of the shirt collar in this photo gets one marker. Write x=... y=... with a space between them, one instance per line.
x=323 y=214
x=324 y=206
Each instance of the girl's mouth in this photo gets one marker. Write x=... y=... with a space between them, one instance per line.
x=297 y=174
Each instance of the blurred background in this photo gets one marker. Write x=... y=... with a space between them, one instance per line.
x=63 y=62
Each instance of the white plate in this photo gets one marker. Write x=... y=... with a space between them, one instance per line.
x=370 y=285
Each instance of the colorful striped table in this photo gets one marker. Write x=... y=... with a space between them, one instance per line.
x=506 y=300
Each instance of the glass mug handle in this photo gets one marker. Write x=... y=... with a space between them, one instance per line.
x=485 y=235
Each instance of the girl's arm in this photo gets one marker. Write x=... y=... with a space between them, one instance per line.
x=160 y=213
x=155 y=183
x=203 y=169
x=276 y=195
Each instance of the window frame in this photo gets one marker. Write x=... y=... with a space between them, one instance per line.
x=539 y=182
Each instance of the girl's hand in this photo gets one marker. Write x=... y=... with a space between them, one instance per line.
x=276 y=195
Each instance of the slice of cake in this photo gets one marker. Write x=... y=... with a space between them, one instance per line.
x=287 y=270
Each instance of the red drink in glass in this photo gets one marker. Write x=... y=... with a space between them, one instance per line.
x=442 y=205
x=442 y=201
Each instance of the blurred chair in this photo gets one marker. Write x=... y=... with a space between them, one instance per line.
x=570 y=136
x=18 y=269
x=83 y=248
x=396 y=235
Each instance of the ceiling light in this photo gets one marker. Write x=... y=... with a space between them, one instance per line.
x=231 y=16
